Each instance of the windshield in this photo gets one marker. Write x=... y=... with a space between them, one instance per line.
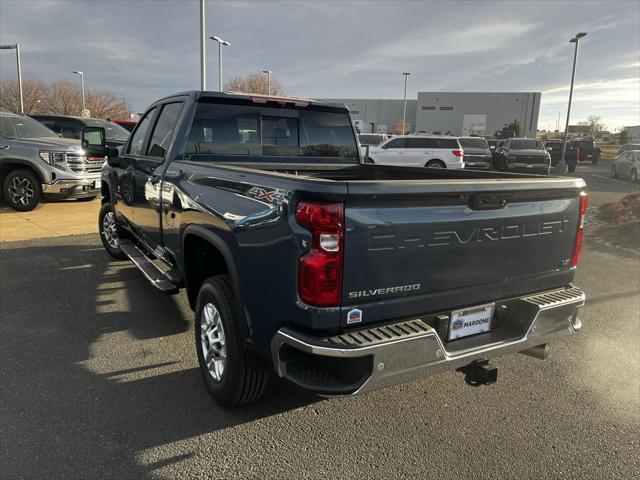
x=250 y=130
x=23 y=127
x=371 y=140
x=112 y=131
x=526 y=144
x=474 y=143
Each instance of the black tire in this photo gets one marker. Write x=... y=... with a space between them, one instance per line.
x=86 y=199
x=22 y=190
x=107 y=236
x=614 y=172
x=633 y=176
x=244 y=378
x=435 y=164
x=572 y=167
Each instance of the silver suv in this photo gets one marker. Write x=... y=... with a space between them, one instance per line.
x=36 y=163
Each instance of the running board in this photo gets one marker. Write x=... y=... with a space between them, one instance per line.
x=159 y=279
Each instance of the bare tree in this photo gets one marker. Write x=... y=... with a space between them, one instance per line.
x=34 y=92
x=254 y=83
x=63 y=98
x=105 y=104
x=399 y=128
x=594 y=122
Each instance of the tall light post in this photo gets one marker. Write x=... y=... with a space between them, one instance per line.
x=221 y=42
x=203 y=68
x=558 y=122
x=561 y=168
x=77 y=72
x=268 y=72
x=16 y=47
x=404 y=106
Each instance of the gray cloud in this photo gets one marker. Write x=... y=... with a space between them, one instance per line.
x=147 y=49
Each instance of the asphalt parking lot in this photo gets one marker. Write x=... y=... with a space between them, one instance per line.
x=100 y=380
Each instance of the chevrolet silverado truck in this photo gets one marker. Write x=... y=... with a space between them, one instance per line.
x=522 y=155
x=588 y=150
x=340 y=276
x=571 y=154
x=36 y=163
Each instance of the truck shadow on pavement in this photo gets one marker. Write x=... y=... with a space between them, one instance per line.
x=98 y=368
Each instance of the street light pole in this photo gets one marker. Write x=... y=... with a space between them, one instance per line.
x=203 y=69
x=268 y=72
x=82 y=87
x=221 y=43
x=16 y=47
x=561 y=168
x=404 y=107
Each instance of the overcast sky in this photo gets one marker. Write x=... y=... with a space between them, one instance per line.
x=147 y=49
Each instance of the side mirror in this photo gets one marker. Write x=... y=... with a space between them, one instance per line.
x=93 y=141
x=548 y=149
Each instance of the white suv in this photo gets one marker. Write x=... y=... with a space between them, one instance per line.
x=419 y=151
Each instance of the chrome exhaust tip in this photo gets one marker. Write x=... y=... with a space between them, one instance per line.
x=540 y=352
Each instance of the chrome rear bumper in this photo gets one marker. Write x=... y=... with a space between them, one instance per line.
x=376 y=357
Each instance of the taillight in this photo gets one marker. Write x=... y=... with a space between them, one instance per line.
x=580 y=233
x=320 y=269
x=458 y=153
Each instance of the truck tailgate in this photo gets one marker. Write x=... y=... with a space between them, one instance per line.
x=417 y=247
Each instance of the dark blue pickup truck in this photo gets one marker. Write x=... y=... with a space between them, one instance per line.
x=341 y=276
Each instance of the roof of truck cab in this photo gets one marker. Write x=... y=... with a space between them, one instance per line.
x=197 y=94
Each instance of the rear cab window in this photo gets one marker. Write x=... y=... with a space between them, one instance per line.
x=219 y=130
x=473 y=143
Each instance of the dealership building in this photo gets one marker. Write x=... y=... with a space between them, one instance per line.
x=455 y=113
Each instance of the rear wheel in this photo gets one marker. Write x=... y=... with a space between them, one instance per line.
x=22 y=190
x=435 y=164
x=109 y=234
x=233 y=375
x=633 y=175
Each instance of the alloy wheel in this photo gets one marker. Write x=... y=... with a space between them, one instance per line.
x=21 y=190
x=110 y=231
x=212 y=342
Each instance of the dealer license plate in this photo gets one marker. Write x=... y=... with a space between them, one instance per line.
x=470 y=321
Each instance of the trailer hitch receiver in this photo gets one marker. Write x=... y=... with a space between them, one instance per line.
x=479 y=372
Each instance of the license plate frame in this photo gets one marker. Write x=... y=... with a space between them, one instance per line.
x=471 y=321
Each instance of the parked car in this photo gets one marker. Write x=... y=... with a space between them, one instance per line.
x=419 y=151
x=628 y=146
x=128 y=125
x=626 y=164
x=588 y=150
x=371 y=140
x=523 y=155
x=341 y=276
x=571 y=155
x=477 y=153
x=36 y=163
x=71 y=127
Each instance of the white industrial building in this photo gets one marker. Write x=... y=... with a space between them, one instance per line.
x=456 y=113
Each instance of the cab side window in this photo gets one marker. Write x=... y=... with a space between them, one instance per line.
x=396 y=143
x=164 y=130
x=71 y=129
x=137 y=140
